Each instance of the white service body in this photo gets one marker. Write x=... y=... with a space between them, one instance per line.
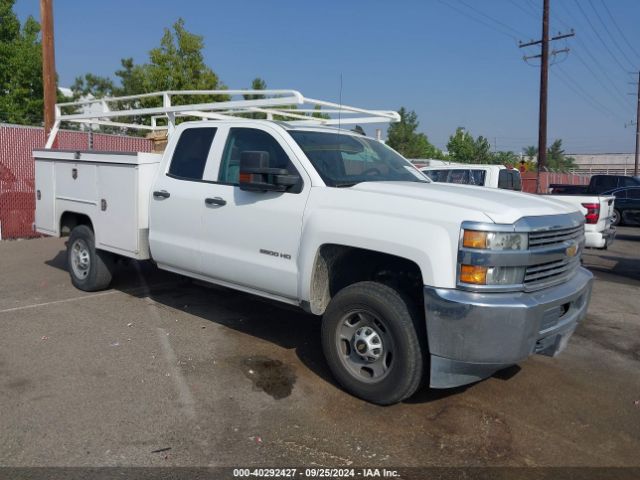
x=111 y=188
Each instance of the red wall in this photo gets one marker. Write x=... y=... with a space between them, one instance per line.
x=547 y=178
x=17 y=197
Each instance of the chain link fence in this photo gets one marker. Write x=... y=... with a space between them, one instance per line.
x=17 y=182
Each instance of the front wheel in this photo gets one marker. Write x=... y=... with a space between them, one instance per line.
x=371 y=340
x=90 y=269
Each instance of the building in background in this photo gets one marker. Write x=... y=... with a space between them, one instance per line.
x=603 y=163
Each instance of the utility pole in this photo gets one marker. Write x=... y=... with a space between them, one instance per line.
x=48 y=65
x=544 y=79
x=635 y=166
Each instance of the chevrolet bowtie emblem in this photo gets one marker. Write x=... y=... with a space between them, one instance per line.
x=572 y=250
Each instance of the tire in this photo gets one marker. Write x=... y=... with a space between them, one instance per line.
x=358 y=319
x=90 y=269
x=616 y=217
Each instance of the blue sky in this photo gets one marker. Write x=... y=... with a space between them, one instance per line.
x=455 y=62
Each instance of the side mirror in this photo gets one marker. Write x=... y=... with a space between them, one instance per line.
x=257 y=176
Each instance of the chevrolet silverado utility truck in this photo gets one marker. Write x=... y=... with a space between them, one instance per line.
x=416 y=281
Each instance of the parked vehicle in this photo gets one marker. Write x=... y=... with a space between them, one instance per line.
x=626 y=206
x=597 y=184
x=598 y=212
x=415 y=280
x=598 y=230
x=496 y=176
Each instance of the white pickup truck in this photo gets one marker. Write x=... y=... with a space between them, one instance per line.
x=598 y=211
x=416 y=281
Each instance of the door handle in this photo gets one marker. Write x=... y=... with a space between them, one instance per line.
x=161 y=194
x=215 y=201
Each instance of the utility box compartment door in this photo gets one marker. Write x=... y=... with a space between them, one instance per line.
x=117 y=212
x=45 y=197
x=76 y=182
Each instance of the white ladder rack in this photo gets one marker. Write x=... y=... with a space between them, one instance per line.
x=289 y=105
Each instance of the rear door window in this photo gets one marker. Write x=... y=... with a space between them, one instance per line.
x=190 y=155
x=633 y=193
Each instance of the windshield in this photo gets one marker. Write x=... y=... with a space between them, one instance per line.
x=344 y=160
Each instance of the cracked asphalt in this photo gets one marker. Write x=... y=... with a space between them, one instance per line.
x=159 y=371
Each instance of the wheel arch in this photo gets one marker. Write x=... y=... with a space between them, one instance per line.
x=69 y=220
x=337 y=266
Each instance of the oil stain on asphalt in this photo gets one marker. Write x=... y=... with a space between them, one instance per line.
x=271 y=376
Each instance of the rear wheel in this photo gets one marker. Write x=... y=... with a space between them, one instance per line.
x=89 y=269
x=615 y=218
x=371 y=342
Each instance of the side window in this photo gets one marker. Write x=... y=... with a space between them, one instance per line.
x=620 y=194
x=506 y=180
x=438 y=175
x=517 y=181
x=477 y=177
x=190 y=154
x=250 y=139
x=459 y=176
x=604 y=182
x=634 y=193
x=628 y=182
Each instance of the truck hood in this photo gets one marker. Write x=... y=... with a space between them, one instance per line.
x=501 y=206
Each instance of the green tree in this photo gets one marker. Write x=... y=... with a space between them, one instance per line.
x=317 y=113
x=505 y=158
x=556 y=158
x=531 y=152
x=21 y=94
x=256 y=84
x=177 y=64
x=464 y=148
x=404 y=137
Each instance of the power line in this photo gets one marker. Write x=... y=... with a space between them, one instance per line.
x=615 y=42
x=615 y=24
x=525 y=10
x=580 y=91
x=622 y=67
x=490 y=17
x=587 y=50
x=476 y=19
x=606 y=89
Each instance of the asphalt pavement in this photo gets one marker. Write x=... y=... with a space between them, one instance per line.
x=159 y=371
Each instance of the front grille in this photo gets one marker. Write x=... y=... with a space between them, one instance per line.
x=544 y=272
x=550 y=272
x=555 y=237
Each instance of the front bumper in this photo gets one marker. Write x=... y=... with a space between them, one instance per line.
x=473 y=335
x=600 y=239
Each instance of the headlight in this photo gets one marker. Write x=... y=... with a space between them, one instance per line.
x=481 y=275
x=495 y=240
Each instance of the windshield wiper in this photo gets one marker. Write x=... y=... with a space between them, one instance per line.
x=345 y=184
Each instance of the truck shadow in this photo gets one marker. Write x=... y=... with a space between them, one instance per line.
x=285 y=326
x=621 y=270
